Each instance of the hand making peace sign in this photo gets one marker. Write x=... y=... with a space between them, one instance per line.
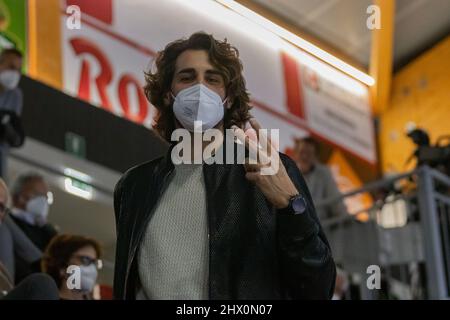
x=268 y=173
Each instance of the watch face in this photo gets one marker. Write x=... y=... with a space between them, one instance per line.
x=299 y=205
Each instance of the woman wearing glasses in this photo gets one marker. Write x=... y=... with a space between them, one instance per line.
x=73 y=262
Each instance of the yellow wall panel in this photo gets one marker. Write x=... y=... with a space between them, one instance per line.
x=420 y=94
x=45 y=41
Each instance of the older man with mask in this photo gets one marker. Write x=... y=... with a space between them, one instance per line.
x=31 y=207
x=37 y=286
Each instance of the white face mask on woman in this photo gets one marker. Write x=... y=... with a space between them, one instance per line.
x=88 y=277
x=9 y=79
x=198 y=103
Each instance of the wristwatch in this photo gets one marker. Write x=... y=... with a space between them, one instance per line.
x=297 y=205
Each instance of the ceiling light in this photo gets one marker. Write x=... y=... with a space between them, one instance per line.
x=299 y=42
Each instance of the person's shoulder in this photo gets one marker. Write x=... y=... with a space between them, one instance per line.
x=139 y=172
x=290 y=165
x=17 y=91
x=143 y=168
x=322 y=168
x=15 y=219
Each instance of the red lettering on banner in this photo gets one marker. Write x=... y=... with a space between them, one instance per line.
x=294 y=93
x=126 y=82
x=82 y=46
x=104 y=80
x=84 y=88
x=99 y=9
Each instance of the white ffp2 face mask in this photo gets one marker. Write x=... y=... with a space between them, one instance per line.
x=88 y=277
x=9 y=79
x=39 y=207
x=198 y=103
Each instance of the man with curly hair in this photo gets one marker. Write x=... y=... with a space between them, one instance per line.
x=214 y=230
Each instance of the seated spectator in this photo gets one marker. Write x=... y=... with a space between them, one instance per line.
x=14 y=244
x=13 y=240
x=83 y=253
x=31 y=207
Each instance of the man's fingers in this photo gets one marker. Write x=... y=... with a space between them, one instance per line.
x=252 y=176
x=258 y=154
x=252 y=134
x=261 y=133
x=256 y=126
x=249 y=144
x=251 y=167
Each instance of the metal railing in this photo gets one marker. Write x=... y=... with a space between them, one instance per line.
x=406 y=233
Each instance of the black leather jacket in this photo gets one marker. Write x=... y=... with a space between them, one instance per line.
x=255 y=251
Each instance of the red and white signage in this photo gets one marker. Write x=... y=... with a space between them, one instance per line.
x=105 y=60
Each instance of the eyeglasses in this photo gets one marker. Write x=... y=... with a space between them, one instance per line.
x=87 y=261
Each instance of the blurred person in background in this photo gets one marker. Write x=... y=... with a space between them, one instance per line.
x=11 y=101
x=4 y=200
x=6 y=279
x=31 y=207
x=73 y=250
x=12 y=240
x=18 y=254
x=29 y=213
x=319 y=179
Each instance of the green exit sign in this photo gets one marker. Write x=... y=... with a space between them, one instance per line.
x=75 y=145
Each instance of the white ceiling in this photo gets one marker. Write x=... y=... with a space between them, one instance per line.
x=342 y=24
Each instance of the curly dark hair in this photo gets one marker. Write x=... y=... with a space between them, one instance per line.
x=222 y=56
x=60 y=250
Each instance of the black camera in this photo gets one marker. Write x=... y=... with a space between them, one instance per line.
x=436 y=156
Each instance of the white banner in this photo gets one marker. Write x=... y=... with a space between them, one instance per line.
x=292 y=91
